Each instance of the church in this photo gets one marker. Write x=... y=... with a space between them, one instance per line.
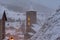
x=7 y=23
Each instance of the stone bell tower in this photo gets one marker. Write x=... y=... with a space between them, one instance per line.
x=30 y=19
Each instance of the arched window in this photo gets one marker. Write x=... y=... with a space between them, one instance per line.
x=28 y=20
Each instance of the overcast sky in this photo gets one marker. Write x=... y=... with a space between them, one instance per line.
x=48 y=3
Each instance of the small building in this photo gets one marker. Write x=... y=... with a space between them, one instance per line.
x=3 y=18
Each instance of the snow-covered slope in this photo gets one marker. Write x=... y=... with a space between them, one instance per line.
x=50 y=29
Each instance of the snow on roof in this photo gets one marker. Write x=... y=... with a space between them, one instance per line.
x=11 y=14
x=15 y=15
